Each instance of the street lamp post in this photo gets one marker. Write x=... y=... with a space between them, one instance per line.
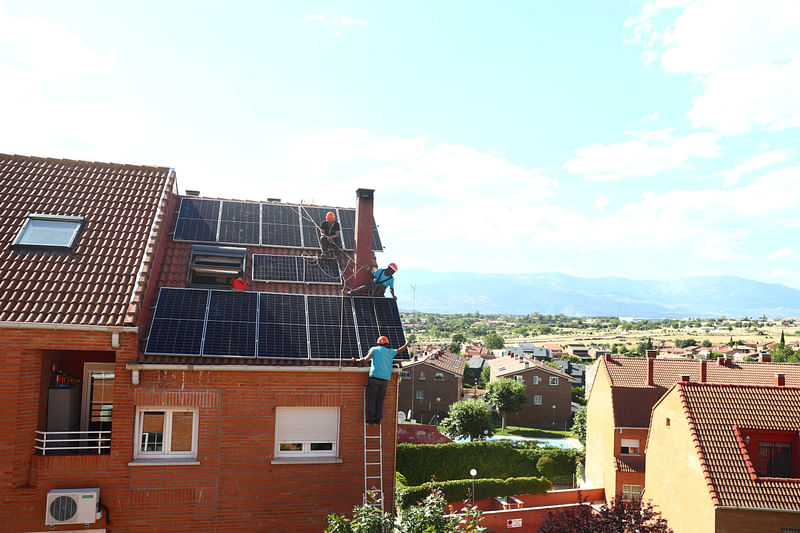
x=554 y=415
x=473 y=473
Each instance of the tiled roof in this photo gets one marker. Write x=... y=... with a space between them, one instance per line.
x=100 y=281
x=515 y=365
x=629 y=464
x=713 y=413
x=632 y=405
x=441 y=359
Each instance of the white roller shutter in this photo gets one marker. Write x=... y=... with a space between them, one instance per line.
x=306 y=425
x=630 y=443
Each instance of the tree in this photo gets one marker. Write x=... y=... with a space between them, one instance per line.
x=621 y=515
x=579 y=425
x=468 y=419
x=783 y=340
x=459 y=338
x=579 y=395
x=493 y=341
x=506 y=395
x=706 y=344
x=455 y=348
x=486 y=373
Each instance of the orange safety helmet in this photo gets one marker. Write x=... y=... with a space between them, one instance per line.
x=330 y=217
x=393 y=266
x=383 y=340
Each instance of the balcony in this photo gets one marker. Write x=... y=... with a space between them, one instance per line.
x=72 y=442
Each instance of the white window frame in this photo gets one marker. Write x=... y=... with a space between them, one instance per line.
x=631 y=492
x=88 y=370
x=519 y=378
x=165 y=453
x=630 y=447
x=420 y=394
x=554 y=380
x=320 y=426
x=421 y=376
x=537 y=380
x=439 y=376
x=29 y=223
x=405 y=374
x=537 y=399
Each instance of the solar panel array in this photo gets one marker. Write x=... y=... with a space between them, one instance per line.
x=205 y=322
x=296 y=269
x=294 y=226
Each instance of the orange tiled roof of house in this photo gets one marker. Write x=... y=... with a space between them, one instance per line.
x=100 y=280
x=719 y=417
x=511 y=365
x=442 y=359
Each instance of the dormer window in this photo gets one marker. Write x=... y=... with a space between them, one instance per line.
x=770 y=453
x=215 y=266
x=49 y=231
x=774 y=459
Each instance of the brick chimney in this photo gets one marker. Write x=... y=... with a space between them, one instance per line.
x=364 y=204
x=608 y=357
x=652 y=354
x=650 y=362
x=685 y=379
x=780 y=380
x=703 y=371
x=764 y=358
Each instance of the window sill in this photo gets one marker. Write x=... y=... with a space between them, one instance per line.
x=164 y=462
x=305 y=460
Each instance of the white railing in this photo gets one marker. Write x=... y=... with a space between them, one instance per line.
x=72 y=442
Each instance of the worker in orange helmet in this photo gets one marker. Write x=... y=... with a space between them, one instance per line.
x=328 y=235
x=380 y=372
x=381 y=280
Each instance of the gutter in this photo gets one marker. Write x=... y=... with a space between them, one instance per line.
x=738 y=508
x=249 y=368
x=69 y=327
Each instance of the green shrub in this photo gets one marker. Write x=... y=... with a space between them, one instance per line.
x=461 y=489
x=546 y=465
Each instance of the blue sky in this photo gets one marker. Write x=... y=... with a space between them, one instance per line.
x=641 y=139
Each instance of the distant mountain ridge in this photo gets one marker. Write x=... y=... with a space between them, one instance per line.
x=553 y=293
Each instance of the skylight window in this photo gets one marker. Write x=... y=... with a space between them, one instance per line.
x=50 y=231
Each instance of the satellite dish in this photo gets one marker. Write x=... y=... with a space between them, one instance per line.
x=401 y=417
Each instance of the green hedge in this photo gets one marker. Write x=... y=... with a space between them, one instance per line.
x=460 y=490
x=500 y=459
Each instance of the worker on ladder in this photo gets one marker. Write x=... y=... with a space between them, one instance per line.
x=380 y=372
x=381 y=280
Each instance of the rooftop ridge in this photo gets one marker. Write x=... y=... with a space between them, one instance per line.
x=19 y=157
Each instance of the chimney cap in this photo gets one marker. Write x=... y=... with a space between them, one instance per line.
x=685 y=379
x=365 y=193
x=192 y=192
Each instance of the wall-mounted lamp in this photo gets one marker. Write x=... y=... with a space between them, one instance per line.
x=135 y=377
x=115 y=340
x=747 y=439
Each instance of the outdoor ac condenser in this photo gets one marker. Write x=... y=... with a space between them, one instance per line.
x=72 y=506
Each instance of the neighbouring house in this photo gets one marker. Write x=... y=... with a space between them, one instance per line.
x=549 y=392
x=474 y=350
x=556 y=350
x=473 y=369
x=429 y=384
x=224 y=402
x=578 y=350
x=528 y=349
x=598 y=351
x=577 y=371
x=620 y=397
x=726 y=458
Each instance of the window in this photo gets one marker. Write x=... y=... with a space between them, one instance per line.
x=774 y=459
x=49 y=231
x=421 y=376
x=166 y=432
x=553 y=380
x=215 y=266
x=537 y=399
x=306 y=432
x=405 y=374
x=631 y=492
x=420 y=394
x=537 y=380
x=438 y=376
x=789 y=530
x=519 y=378
x=629 y=447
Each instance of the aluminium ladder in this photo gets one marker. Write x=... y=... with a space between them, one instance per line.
x=373 y=461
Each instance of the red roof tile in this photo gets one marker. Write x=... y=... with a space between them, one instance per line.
x=714 y=412
x=100 y=281
x=629 y=464
x=441 y=359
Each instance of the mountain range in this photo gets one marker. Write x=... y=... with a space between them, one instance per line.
x=553 y=293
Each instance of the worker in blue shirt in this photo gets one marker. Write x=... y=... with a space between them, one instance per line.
x=381 y=280
x=380 y=372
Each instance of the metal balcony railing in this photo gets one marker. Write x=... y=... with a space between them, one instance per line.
x=72 y=442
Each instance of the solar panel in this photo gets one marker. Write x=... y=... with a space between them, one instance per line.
x=347 y=219
x=376 y=317
x=197 y=220
x=310 y=219
x=231 y=324
x=319 y=270
x=280 y=225
x=239 y=223
x=178 y=322
x=282 y=326
x=331 y=329
x=275 y=268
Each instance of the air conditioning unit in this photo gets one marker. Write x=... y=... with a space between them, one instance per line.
x=72 y=506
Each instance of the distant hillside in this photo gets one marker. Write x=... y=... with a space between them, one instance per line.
x=553 y=293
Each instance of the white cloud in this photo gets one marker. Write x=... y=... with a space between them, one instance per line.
x=790 y=278
x=756 y=162
x=650 y=117
x=783 y=253
x=746 y=55
x=648 y=154
x=336 y=24
x=602 y=202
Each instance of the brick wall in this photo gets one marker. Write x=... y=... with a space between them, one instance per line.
x=448 y=390
x=234 y=488
x=544 y=415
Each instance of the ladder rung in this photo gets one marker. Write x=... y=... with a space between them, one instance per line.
x=372 y=464
x=372 y=436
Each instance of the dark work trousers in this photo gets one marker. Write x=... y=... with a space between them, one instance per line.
x=327 y=246
x=376 y=390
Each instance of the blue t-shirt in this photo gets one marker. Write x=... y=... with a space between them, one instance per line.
x=381 y=362
x=383 y=279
